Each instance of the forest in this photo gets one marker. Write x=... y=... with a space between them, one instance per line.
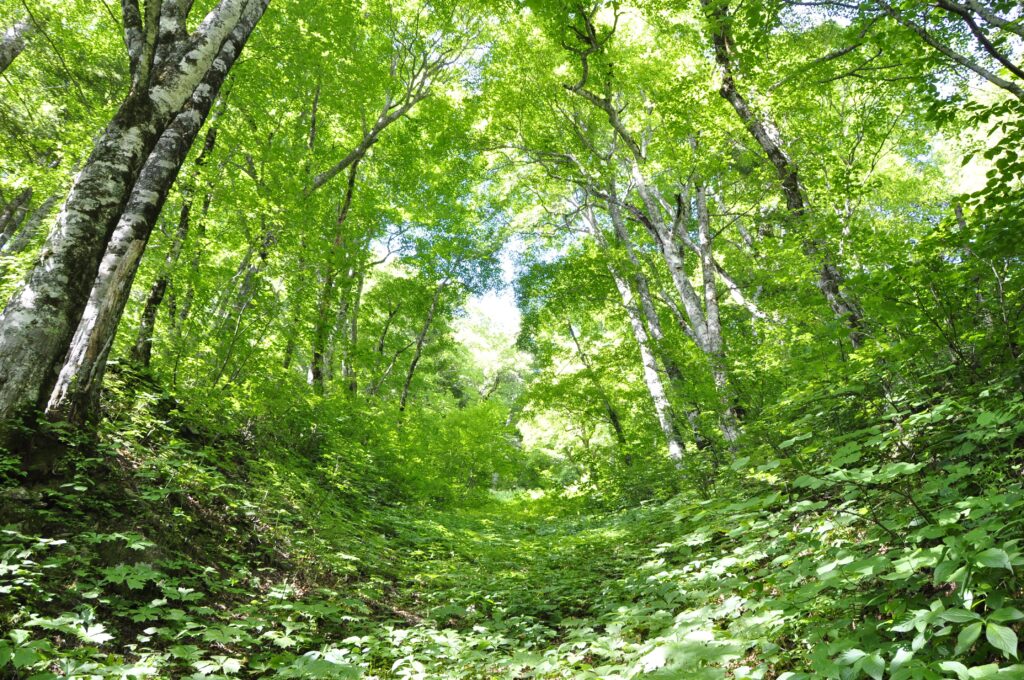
x=521 y=339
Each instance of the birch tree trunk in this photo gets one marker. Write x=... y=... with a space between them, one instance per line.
x=74 y=395
x=13 y=43
x=768 y=136
x=39 y=321
x=715 y=347
x=652 y=378
x=673 y=254
x=657 y=331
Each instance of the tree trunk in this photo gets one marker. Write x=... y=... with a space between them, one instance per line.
x=652 y=378
x=673 y=254
x=715 y=348
x=382 y=338
x=768 y=136
x=12 y=216
x=657 y=332
x=321 y=331
x=39 y=321
x=23 y=236
x=421 y=340
x=142 y=350
x=13 y=42
x=325 y=321
x=74 y=395
x=351 y=373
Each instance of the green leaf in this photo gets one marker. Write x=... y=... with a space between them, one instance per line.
x=989 y=670
x=955 y=667
x=1006 y=614
x=959 y=616
x=1002 y=638
x=799 y=438
x=967 y=637
x=850 y=657
x=994 y=558
x=806 y=482
x=944 y=571
x=901 y=656
x=873 y=665
x=96 y=634
x=25 y=656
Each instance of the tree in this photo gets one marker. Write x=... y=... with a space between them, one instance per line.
x=13 y=42
x=168 y=67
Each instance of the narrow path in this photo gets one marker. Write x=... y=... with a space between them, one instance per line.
x=501 y=591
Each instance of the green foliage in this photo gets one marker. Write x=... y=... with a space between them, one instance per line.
x=348 y=458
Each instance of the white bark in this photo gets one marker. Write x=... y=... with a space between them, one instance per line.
x=78 y=382
x=648 y=360
x=673 y=255
x=38 y=323
x=768 y=136
x=715 y=347
x=652 y=378
x=12 y=43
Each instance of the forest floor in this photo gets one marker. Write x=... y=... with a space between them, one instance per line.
x=513 y=587
x=161 y=558
x=529 y=585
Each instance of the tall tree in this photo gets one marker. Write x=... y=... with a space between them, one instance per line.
x=167 y=66
x=769 y=137
x=75 y=393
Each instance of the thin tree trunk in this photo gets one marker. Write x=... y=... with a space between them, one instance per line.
x=74 y=396
x=142 y=350
x=673 y=254
x=351 y=371
x=24 y=235
x=12 y=216
x=251 y=272
x=610 y=411
x=12 y=43
x=672 y=370
x=652 y=377
x=421 y=340
x=715 y=348
x=318 y=349
x=382 y=338
x=325 y=321
x=374 y=388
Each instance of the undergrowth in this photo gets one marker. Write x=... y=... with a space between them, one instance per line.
x=892 y=550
